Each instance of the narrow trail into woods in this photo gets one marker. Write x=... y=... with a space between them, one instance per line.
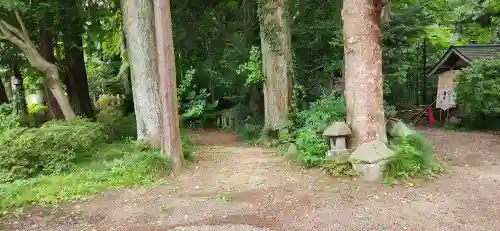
x=235 y=186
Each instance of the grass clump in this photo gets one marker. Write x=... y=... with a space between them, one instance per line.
x=413 y=158
x=338 y=166
x=113 y=166
x=55 y=147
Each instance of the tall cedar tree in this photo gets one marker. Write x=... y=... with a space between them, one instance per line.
x=138 y=24
x=363 y=70
x=171 y=140
x=277 y=63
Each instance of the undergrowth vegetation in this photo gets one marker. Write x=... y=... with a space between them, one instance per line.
x=413 y=155
x=413 y=158
x=74 y=160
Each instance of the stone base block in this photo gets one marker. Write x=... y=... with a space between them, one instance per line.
x=371 y=172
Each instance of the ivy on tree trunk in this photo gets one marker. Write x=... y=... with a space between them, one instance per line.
x=277 y=63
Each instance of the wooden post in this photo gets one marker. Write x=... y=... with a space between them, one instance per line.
x=171 y=139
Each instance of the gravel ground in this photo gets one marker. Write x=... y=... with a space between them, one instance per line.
x=234 y=186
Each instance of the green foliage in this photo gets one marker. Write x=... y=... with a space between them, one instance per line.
x=188 y=149
x=413 y=158
x=194 y=105
x=115 y=165
x=478 y=88
x=327 y=109
x=312 y=148
x=252 y=68
x=53 y=148
x=117 y=125
x=338 y=166
x=8 y=119
x=37 y=114
x=250 y=131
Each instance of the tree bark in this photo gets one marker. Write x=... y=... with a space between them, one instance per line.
x=76 y=74
x=20 y=95
x=3 y=94
x=277 y=63
x=171 y=138
x=363 y=71
x=47 y=52
x=20 y=38
x=138 y=23
x=78 y=87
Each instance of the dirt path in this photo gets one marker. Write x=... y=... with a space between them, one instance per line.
x=235 y=186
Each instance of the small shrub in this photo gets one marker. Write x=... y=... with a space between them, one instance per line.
x=477 y=88
x=37 y=114
x=117 y=125
x=8 y=119
x=54 y=147
x=250 y=132
x=312 y=148
x=320 y=114
x=413 y=158
x=187 y=147
x=338 y=166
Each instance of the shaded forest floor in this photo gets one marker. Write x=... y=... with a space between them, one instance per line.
x=235 y=186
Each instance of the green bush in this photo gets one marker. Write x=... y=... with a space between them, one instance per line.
x=413 y=158
x=8 y=119
x=54 y=147
x=309 y=124
x=117 y=125
x=250 y=132
x=114 y=166
x=312 y=148
x=478 y=88
x=320 y=114
x=187 y=147
x=338 y=166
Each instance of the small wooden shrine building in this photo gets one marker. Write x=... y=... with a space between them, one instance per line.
x=455 y=58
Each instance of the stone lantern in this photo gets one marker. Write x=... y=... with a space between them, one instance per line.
x=336 y=134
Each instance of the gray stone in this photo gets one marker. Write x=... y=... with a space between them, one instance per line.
x=454 y=120
x=337 y=129
x=371 y=152
x=399 y=129
x=371 y=172
x=292 y=150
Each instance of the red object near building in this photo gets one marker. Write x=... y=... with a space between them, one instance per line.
x=430 y=116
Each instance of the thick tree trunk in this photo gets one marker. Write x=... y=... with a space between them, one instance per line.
x=19 y=93
x=138 y=23
x=277 y=63
x=3 y=93
x=8 y=87
x=47 y=52
x=77 y=84
x=171 y=138
x=75 y=72
x=363 y=71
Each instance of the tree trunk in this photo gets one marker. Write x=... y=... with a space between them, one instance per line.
x=47 y=52
x=78 y=88
x=363 y=71
x=8 y=87
x=139 y=32
x=3 y=94
x=76 y=74
x=19 y=94
x=277 y=63
x=171 y=138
